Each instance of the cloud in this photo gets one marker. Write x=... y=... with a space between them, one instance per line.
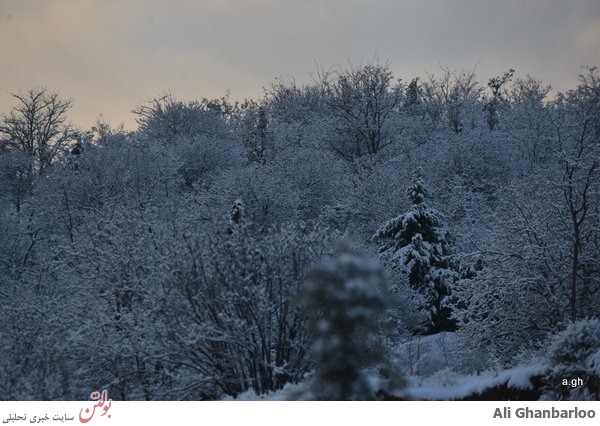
x=588 y=38
x=109 y=55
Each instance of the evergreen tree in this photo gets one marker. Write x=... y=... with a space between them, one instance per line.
x=345 y=300
x=236 y=216
x=413 y=96
x=417 y=244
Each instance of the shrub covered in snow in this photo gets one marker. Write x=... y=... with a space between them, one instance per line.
x=575 y=363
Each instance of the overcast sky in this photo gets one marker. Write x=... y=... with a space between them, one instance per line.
x=109 y=55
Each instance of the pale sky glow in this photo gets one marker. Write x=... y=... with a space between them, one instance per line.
x=108 y=55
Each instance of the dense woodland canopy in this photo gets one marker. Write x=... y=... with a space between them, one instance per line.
x=303 y=237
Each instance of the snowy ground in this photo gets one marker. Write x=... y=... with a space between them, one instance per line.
x=429 y=376
x=451 y=386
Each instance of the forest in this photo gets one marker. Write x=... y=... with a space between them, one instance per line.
x=357 y=237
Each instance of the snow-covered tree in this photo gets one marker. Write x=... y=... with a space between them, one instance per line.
x=270 y=198
x=363 y=101
x=530 y=266
x=452 y=99
x=250 y=123
x=417 y=243
x=529 y=121
x=578 y=139
x=165 y=119
x=37 y=126
x=233 y=322
x=497 y=101
x=236 y=216
x=345 y=300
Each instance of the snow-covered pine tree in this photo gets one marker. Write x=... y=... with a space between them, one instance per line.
x=236 y=216
x=418 y=245
x=345 y=300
